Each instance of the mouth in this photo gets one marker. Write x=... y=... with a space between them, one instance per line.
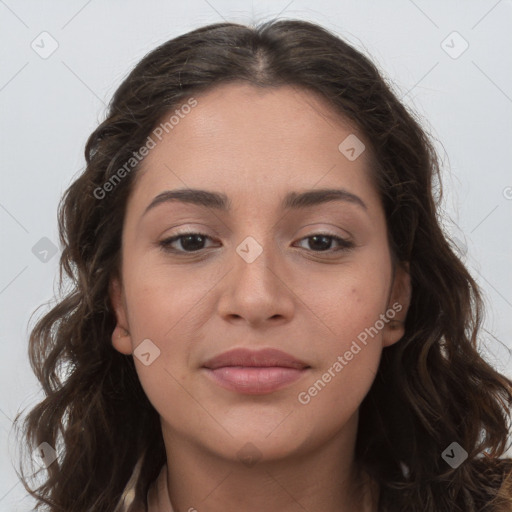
x=254 y=372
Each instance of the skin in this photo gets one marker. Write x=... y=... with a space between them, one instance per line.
x=255 y=146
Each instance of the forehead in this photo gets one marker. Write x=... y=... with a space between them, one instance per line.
x=253 y=142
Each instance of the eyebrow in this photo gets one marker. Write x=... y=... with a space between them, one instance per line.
x=219 y=201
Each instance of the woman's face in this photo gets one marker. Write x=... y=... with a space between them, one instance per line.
x=267 y=272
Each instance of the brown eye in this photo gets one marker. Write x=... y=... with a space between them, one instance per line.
x=195 y=242
x=322 y=242
x=190 y=242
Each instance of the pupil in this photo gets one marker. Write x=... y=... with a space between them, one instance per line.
x=322 y=247
x=191 y=246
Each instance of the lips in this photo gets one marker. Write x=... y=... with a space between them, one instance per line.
x=254 y=372
x=261 y=358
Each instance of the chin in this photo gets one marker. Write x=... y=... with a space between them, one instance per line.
x=259 y=443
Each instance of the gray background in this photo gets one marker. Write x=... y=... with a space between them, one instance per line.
x=50 y=105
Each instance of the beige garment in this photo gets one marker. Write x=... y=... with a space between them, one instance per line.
x=158 y=496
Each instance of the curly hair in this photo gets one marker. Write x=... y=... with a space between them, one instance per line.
x=432 y=387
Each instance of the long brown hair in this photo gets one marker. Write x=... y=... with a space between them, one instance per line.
x=432 y=388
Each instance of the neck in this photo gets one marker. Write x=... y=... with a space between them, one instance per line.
x=318 y=478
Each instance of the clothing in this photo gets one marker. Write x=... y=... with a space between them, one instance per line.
x=158 y=496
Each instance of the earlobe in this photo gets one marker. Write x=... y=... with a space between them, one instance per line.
x=121 y=339
x=398 y=305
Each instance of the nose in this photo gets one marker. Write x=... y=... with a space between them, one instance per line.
x=259 y=290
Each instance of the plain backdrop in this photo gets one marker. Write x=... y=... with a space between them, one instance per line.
x=61 y=62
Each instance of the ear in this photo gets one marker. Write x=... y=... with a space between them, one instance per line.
x=121 y=339
x=398 y=305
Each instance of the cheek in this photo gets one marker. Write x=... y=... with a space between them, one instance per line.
x=348 y=310
x=351 y=306
x=163 y=301
x=169 y=308
x=337 y=390
x=352 y=301
x=348 y=358
x=165 y=308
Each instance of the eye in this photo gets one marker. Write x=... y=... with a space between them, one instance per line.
x=322 y=242
x=194 y=242
x=190 y=242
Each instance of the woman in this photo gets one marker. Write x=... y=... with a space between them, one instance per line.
x=217 y=356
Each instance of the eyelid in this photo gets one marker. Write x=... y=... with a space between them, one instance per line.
x=179 y=234
x=344 y=244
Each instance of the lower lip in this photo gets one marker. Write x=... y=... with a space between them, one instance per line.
x=254 y=380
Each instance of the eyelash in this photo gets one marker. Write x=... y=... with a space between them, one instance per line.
x=165 y=245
